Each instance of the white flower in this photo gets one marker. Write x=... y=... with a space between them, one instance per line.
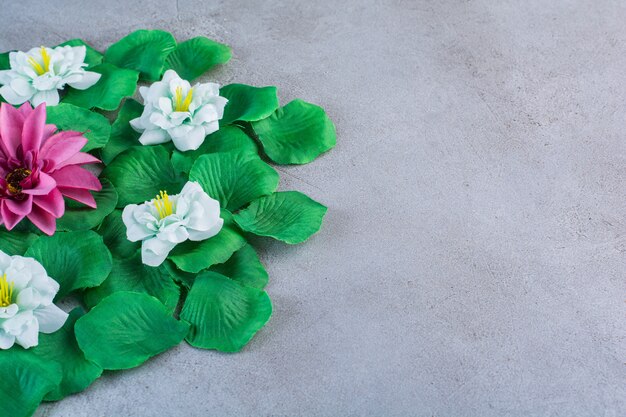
x=38 y=74
x=166 y=221
x=178 y=112
x=26 y=294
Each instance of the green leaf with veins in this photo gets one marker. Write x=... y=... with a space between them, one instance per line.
x=247 y=103
x=289 y=216
x=196 y=56
x=76 y=260
x=61 y=347
x=126 y=329
x=114 y=85
x=144 y=51
x=296 y=133
x=224 y=314
x=234 y=178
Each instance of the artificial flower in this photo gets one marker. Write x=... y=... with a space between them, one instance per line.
x=26 y=308
x=178 y=112
x=164 y=222
x=38 y=167
x=38 y=74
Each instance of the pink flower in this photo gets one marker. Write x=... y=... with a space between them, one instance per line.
x=38 y=167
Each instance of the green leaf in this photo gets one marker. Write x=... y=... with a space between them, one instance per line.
x=75 y=260
x=113 y=231
x=296 y=133
x=126 y=329
x=144 y=51
x=193 y=257
x=5 y=64
x=244 y=267
x=92 y=57
x=141 y=172
x=234 y=178
x=80 y=217
x=16 y=243
x=26 y=379
x=183 y=278
x=114 y=84
x=247 y=103
x=195 y=56
x=123 y=136
x=227 y=139
x=224 y=314
x=132 y=275
x=289 y=216
x=61 y=347
x=69 y=117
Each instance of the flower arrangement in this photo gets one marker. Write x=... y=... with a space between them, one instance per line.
x=140 y=215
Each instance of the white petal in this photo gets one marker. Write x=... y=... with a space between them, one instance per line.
x=6 y=340
x=47 y=82
x=205 y=114
x=28 y=299
x=8 y=312
x=165 y=104
x=22 y=87
x=211 y=127
x=186 y=139
x=161 y=121
x=190 y=188
x=175 y=233
x=156 y=91
x=175 y=83
x=137 y=232
x=6 y=76
x=169 y=76
x=11 y=96
x=88 y=79
x=50 y=97
x=143 y=92
x=137 y=125
x=17 y=324
x=154 y=137
x=29 y=337
x=51 y=318
x=154 y=251
x=5 y=261
x=220 y=104
x=78 y=54
x=134 y=230
x=198 y=235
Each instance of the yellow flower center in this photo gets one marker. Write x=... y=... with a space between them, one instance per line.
x=163 y=205
x=14 y=180
x=180 y=103
x=6 y=291
x=44 y=66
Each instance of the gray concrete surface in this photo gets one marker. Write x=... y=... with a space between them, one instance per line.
x=472 y=262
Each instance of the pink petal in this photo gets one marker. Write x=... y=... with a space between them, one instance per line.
x=9 y=218
x=53 y=203
x=73 y=176
x=43 y=220
x=48 y=131
x=22 y=207
x=33 y=129
x=26 y=109
x=59 y=149
x=51 y=142
x=77 y=194
x=44 y=186
x=11 y=122
x=80 y=158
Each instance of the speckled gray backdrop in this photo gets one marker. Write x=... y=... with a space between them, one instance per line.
x=472 y=261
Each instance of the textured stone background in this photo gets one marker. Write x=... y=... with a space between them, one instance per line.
x=472 y=262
